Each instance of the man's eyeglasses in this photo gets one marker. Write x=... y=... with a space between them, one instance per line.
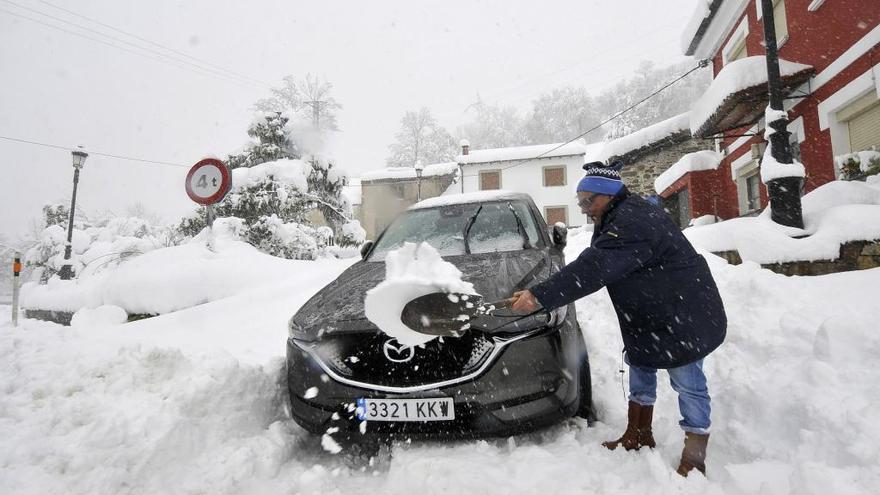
x=586 y=202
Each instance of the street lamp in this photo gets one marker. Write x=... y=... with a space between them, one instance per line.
x=419 y=168
x=79 y=159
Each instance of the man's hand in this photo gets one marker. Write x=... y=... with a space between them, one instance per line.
x=524 y=302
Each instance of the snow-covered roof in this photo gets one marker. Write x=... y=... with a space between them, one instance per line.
x=701 y=18
x=473 y=197
x=692 y=162
x=644 y=137
x=835 y=213
x=577 y=147
x=736 y=76
x=434 y=169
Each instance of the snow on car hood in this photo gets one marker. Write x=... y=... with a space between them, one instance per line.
x=339 y=307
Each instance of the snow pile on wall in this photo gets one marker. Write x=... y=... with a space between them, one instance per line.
x=692 y=162
x=410 y=272
x=834 y=213
x=736 y=76
x=644 y=137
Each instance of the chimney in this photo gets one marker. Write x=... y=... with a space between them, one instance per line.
x=465 y=146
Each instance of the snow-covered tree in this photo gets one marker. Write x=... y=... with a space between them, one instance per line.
x=421 y=138
x=308 y=98
x=493 y=126
x=271 y=140
x=560 y=115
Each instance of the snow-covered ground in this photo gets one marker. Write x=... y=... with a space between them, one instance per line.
x=193 y=402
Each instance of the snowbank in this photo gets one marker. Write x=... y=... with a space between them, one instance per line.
x=194 y=402
x=736 y=76
x=169 y=279
x=692 y=162
x=834 y=213
x=644 y=137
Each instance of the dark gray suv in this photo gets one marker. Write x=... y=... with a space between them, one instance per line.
x=506 y=374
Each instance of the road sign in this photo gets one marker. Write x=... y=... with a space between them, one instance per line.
x=208 y=181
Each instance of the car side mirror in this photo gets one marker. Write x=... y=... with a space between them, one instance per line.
x=365 y=249
x=559 y=234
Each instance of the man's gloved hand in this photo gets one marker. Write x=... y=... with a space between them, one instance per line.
x=524 y=302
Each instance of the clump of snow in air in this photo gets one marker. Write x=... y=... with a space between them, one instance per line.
x=412 y=271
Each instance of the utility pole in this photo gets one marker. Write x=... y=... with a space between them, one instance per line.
x=784 y=192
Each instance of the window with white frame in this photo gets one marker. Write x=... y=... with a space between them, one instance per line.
x=862 y=121
x=780 y=20
x=746 y=174
x=555 y=214
x=554 y=176
x=753 y=191
x=735 y=48
x=490 y=179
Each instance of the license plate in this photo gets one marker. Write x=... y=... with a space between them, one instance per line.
x=427 y=409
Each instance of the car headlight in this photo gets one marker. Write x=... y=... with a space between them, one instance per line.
x=295 y=331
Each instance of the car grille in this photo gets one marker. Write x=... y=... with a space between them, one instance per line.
x=360 y=357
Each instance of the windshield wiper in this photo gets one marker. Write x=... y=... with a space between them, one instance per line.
x=467 y=229
x=520 y=227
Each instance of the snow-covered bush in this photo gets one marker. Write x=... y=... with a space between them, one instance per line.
x=858 y=165
x=94 y=247
x=285 y=240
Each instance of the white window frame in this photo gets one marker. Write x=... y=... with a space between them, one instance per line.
x=564 y=209
x=739 y=36
x=564 y=174
x=489 y=171
x=779 y=42
x=846 y=95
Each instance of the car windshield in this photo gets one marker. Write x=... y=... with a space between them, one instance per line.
x=490 y=227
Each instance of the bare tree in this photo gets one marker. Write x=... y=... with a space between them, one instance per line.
x=421 y=138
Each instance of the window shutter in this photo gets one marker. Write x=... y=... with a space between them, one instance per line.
x=864 y=129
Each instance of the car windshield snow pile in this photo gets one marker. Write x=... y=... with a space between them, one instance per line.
x=462 y=228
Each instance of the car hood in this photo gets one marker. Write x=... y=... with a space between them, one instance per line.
x=339 y=307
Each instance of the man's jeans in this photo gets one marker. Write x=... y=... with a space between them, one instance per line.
x=690 y=383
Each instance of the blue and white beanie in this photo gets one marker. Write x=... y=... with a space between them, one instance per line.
x=601 y=178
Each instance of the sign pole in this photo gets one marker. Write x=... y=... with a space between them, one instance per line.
x=207 y=183
x=16 y=270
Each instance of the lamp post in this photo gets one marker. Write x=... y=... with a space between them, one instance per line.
x=79 y=159
x=419 y=168
x=784 y=192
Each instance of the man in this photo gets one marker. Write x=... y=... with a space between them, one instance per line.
x=670 y=313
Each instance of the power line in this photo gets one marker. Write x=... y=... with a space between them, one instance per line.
x=164 y=58
x=98 y=153
x=159 y=45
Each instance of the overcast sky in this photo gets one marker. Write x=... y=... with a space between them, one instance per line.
x=62 y=87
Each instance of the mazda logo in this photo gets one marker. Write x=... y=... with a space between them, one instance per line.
x=396 y=352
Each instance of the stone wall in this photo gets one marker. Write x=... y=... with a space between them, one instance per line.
x=642 y=166
x=856 y=255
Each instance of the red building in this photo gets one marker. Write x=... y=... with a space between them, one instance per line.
x=830 y=56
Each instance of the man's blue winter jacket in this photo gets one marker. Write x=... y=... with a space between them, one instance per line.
x=666 y=300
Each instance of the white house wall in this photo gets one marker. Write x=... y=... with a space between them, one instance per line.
x=527 y=177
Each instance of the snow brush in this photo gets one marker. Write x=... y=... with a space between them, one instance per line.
x=447 y=314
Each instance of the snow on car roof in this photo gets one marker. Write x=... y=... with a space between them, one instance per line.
x=474 y=197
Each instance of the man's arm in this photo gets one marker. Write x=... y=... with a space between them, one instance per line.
x=616 y=254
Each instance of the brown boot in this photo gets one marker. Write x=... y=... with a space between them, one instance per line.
x=630 y=438
x=646 y=436
x=694 y=454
